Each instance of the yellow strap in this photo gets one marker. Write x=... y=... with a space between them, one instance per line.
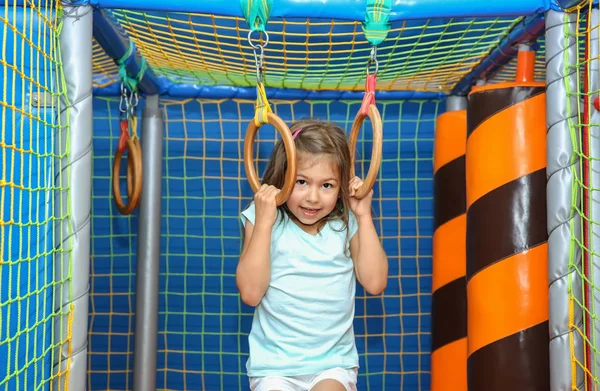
x=133 y=127
x=262 y=106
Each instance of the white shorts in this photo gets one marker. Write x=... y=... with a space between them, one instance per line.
x=347 y=377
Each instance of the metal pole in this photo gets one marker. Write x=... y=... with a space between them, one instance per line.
x=146 y=321
x=73 y=178
x=456 y=103
x=563 y=220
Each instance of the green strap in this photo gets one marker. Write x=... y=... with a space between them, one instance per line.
x=257 y=13
x=376 y=25
x=131 y=82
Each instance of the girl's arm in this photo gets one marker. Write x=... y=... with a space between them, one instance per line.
x=254 y=267
x=370 y=260
x=253 y=272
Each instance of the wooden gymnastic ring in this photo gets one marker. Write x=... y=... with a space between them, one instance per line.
x=130 y=174
x=134 y=161
x=377 y=125
x=290 y=152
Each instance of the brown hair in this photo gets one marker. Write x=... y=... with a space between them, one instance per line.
x=316 y=138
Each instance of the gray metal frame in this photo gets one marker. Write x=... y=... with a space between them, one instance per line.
x=563 y=219
x=74 y=172
x=146 y=295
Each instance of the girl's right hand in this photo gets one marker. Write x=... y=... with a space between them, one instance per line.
x=266 y=206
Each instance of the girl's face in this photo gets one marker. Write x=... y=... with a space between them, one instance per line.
x=315 y=193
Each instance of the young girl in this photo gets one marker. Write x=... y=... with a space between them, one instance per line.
x=299 y=266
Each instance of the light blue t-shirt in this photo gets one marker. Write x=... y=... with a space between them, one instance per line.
x=304 y=322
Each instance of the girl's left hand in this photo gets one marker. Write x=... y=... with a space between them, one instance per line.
x=360 y=207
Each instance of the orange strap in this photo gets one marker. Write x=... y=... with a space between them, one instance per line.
x=124 y=136
x=369 y=98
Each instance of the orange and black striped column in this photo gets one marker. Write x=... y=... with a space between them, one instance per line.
x=507 y=271
x=449 y=295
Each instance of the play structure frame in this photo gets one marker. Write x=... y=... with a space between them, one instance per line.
x=90 y=20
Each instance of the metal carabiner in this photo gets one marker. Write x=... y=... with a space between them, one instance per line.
x=123 y=103
x=259 y=59
x=373 y=59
